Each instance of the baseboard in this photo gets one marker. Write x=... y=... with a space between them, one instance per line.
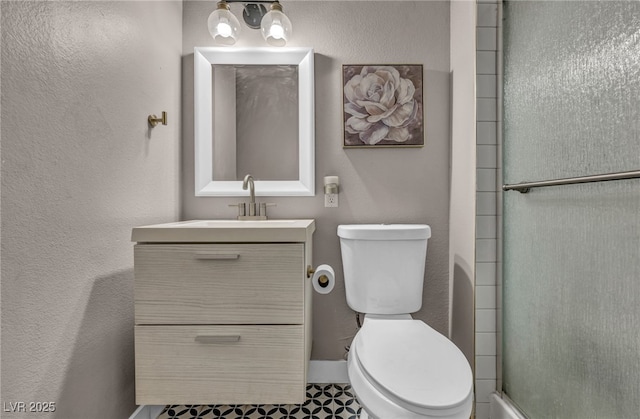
x=147 y=411
x=334 y=372
x=502 y=408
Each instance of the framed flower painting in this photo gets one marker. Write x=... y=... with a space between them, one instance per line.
x=382 y=106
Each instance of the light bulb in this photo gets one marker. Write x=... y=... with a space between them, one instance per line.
x=276 y=31
x=223 y=25
x=276 y=26
x=224 y=29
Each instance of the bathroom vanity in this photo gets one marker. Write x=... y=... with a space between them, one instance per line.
x=222 y=311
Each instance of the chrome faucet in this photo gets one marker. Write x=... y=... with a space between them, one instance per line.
x=248 y=182
x=251 y=210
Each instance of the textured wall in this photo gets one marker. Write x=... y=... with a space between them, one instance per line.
x=387 y=185
x=80 y=169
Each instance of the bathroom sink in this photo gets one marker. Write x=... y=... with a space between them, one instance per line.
x=237 y=223
x=197 y=231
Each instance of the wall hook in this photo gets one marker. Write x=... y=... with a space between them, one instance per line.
x=154 y=120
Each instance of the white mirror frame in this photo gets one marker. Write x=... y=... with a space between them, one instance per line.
x=204 y=58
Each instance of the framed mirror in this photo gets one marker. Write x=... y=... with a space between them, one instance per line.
x=254 y=113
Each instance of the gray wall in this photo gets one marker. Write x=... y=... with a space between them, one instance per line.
x=386 y=185
x=80 y=169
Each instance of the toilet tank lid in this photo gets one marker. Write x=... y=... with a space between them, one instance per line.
x=384 y=231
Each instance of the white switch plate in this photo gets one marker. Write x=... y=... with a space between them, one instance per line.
x=331 y=200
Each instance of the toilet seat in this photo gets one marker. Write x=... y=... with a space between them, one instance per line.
x=413 y=366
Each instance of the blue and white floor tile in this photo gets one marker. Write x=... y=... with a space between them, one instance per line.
x=324 y=401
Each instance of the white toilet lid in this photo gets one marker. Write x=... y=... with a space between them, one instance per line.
x=413 y=365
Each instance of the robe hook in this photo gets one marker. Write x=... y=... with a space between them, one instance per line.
x=154 y=120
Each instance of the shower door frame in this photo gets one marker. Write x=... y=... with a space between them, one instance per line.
x=500 y=405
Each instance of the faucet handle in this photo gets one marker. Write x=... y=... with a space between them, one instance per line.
x=242 y=209
x=263 y=208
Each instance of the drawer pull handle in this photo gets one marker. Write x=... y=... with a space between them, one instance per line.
x=218 y=339
x=216 y=256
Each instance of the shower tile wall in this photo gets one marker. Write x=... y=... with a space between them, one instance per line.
x=488 y=204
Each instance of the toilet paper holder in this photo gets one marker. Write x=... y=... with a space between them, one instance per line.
x=322 y=280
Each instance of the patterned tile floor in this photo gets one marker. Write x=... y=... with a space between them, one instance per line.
x=324 y=401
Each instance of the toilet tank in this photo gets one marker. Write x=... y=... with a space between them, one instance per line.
x=383 y=266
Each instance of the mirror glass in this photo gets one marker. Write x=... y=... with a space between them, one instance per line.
x=255 y=122
x=254 y=114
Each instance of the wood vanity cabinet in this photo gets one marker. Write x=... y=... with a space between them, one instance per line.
x=222 y=312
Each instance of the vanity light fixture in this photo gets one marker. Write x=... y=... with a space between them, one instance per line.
x=274 y=25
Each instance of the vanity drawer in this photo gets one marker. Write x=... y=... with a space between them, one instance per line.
x=220 y=364
x=219 y=283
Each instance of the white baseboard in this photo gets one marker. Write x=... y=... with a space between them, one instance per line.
x=147 y=411
x=334 y=372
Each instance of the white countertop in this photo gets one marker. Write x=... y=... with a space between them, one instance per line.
x=228 y=231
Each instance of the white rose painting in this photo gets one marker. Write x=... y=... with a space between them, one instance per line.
x=383 y=106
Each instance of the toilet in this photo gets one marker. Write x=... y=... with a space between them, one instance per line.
x=398 y=367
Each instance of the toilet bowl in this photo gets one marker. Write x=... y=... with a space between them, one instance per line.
x=401 y=368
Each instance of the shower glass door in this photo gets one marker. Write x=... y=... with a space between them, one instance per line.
x=571 y=270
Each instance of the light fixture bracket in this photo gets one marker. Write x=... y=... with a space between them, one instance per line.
x=253 y=14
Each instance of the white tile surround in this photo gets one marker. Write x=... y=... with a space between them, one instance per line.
x=489 y=202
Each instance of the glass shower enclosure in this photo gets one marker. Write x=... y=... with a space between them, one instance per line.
x=571 y=254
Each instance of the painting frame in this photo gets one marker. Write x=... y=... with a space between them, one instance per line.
x=383 y=106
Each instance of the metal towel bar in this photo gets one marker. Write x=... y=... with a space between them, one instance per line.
x=526 y=186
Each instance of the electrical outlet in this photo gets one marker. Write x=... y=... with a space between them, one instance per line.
x=331 y=200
